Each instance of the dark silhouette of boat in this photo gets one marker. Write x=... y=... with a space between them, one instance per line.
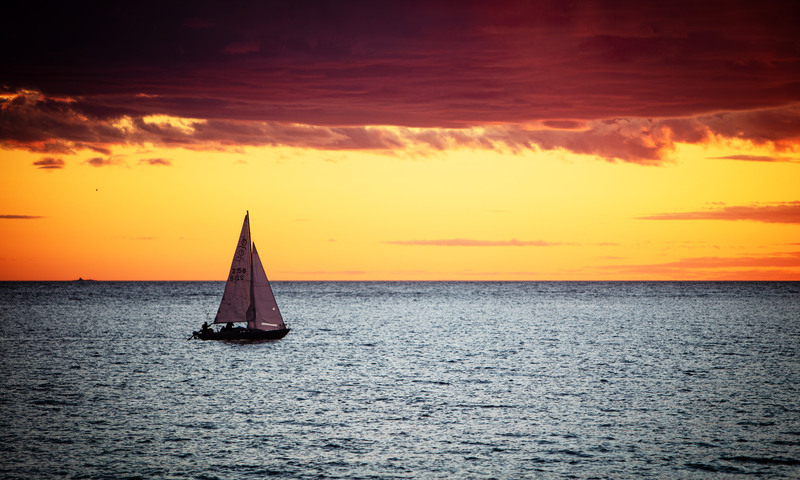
x=240 y=333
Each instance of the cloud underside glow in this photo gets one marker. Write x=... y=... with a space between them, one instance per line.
x=50 y=126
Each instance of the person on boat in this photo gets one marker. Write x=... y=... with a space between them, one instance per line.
x=228 y=326
x=205 y=328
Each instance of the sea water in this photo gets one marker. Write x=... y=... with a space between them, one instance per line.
x=404 y=380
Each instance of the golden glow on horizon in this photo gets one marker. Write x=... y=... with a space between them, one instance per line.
x=333 y=215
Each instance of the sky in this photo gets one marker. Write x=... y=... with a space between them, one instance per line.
x=401 y=140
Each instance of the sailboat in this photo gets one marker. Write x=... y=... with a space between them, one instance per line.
x=247 y=298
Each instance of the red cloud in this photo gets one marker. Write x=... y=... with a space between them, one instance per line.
x=787 y=212
x=621 y=80
x=421 y=64
x=69 y=125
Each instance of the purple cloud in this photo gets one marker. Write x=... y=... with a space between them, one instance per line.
x=621 y=81
x=632 y=140
x=49 y=163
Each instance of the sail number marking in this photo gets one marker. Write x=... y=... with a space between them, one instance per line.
x=238 y=273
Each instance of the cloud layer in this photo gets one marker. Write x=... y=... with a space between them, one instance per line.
x=618 y=80
x=31 y=121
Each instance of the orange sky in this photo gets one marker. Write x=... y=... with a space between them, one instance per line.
x=460 y=214
x=504 y=144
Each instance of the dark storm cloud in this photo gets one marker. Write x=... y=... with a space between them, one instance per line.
x=605 y=78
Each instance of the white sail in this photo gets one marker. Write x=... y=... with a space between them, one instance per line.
x=267 y=316
x=236 y=298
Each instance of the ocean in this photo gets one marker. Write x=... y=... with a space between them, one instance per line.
x=404 y=380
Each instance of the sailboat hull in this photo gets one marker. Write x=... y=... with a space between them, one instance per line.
x=241 y=334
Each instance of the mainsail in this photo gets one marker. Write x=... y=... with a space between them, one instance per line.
x=248 y=296
x=236 y=298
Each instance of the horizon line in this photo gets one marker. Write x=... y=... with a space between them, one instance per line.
x=91 y=280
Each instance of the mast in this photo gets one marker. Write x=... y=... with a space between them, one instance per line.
x=250 y=316
x=250 y=248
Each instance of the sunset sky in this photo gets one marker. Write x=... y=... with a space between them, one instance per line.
x=408 y=140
